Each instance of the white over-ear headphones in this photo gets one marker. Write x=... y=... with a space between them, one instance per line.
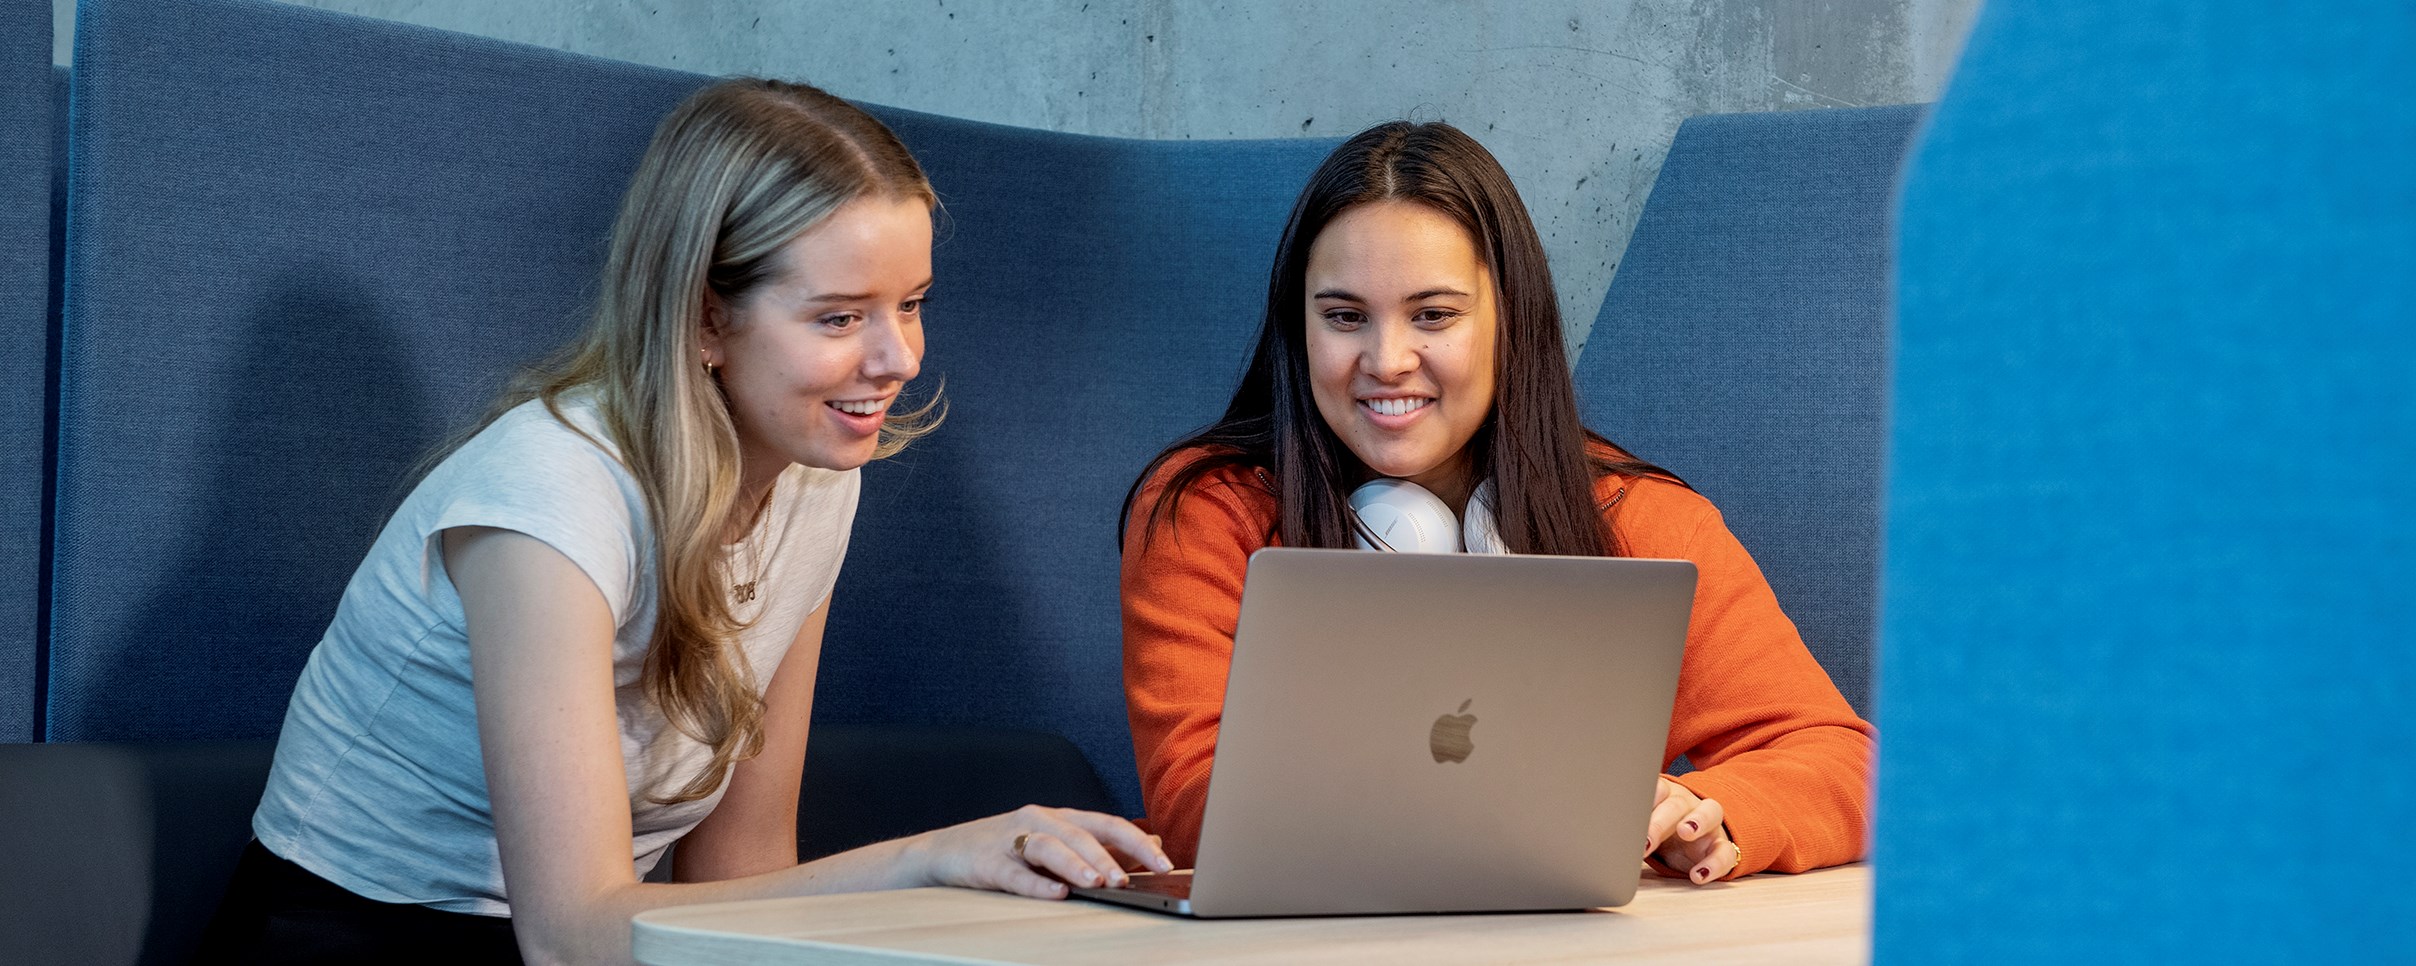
x=1402 y=516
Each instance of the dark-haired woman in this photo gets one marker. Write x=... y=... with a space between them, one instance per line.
x=1412 y=332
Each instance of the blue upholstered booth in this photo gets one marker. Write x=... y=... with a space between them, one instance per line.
x=1743 y=346
x=303 y=248
x=2148 y=671
x=26 y=306
x=307 y=246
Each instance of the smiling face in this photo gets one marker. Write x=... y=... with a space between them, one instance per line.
x=812 y=359
x=1402 y=323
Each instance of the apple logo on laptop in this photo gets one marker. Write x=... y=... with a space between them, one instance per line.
x=1450 y=741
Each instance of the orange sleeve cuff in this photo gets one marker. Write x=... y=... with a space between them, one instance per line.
x=1747 y=816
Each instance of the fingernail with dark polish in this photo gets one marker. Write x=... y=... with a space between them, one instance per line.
x=1690 y=826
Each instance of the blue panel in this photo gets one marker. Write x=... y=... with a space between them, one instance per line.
x=1743 y=346
x=2149 y=663
x=1096 y=300
x=303 y=248
x=26 y=301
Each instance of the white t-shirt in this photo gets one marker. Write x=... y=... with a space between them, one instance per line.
x=379 y=786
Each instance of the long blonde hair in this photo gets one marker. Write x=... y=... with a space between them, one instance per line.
x=733 y=175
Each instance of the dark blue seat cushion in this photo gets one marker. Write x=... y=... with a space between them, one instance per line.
x=119 y=853
x=1744 y=346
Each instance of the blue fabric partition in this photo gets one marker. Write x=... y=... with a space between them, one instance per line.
x=26 y=304
x=1743 y=346
x=304 y=247
x=2149 y=659
x=1096 y=299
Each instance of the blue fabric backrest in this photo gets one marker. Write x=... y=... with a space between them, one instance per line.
x=1743 y=346
x=1096 y=299
x=303 y=248
x=2148 y=650
x=308 y=246
x=26 y=302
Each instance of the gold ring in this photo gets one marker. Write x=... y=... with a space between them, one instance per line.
x=1018 y=847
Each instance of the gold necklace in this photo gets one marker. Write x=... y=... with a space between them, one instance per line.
x=744 y=591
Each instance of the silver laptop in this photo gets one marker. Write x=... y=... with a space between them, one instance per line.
x=1411 y=733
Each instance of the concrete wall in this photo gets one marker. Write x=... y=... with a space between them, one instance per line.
x=1578 y=99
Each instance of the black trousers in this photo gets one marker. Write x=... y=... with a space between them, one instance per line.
x=279 y=912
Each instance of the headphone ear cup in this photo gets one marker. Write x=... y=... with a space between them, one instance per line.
x=1478 y=533
x=1403 y=517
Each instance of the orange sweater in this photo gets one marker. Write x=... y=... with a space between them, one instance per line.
x=1769 y=735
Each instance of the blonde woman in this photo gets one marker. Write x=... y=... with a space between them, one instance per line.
x=591 y=631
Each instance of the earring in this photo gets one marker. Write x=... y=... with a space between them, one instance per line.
x=701 y=357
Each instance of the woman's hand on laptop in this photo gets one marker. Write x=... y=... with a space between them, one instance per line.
x=1022 y=850
x=1686 y=835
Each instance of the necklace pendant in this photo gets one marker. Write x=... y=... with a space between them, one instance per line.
x=744 y=592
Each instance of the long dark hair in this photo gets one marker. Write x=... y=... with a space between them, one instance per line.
x=1542 y=461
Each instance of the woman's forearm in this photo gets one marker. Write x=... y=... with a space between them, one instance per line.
x=599 y=930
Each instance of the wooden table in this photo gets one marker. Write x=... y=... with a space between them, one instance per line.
x=1817 y=917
